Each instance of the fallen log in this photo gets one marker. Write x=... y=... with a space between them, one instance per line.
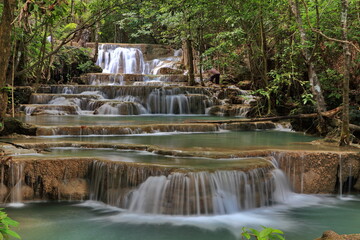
x=327 y=114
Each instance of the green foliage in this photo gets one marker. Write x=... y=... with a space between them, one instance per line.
x=85 y=66
x=307 y=98
x=6 y=89
x=246 y=40
x=355 y=115
x=5 y=224
x=71 y=62
x=331 y=81
x=266 y=234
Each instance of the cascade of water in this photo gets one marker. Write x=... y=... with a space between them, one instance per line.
x=111 y=79
x=122 y=108
x=3 y=188
x=178 y=52
x=129 y=60
x=120 y=100
x=121 y=60
x=350 y=183
x=291 y=169
x=16 y=171
x=340 y=177
x=155 y=191
x=29 y=110
x=111 y=182
x=165 y=101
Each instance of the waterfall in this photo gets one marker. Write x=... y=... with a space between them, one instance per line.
x=111 y=182
x=121 y=60
x=16 y=184
x=149 y=189
x=340 y=177
x=116 y=59
x=220 y=192
x=120 y=100
x=168 y=101
x=152 y=189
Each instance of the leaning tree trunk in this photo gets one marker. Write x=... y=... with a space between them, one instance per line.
x=5 y=52
x=313 y=79
x=345 y=132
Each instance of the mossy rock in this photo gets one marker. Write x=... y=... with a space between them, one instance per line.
x=12 y=125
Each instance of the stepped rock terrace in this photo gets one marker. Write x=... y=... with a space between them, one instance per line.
x=131 y=138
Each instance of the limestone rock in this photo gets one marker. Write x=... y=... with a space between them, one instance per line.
x=13 y=125
x=74 y=189
x=27 y=192
x=331 y=235
x=167 y=70
x=3 y=192
x=229 y=110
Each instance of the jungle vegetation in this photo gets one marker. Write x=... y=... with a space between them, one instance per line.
x=300 y=56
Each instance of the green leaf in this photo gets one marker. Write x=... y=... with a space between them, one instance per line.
x=265 y=233
x=256 y=232
x=280 y=237
x=278 y=231
x=11 y=222
x=246 y=235
x=12 y=233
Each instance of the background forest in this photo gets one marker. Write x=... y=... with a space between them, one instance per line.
x=300 y=56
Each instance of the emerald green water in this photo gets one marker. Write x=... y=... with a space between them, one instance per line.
x=303 y=217
x=220 y=141
x=150 y=158
x=93 y=221
x=80 y=120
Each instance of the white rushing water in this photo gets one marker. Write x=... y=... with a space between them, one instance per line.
x=129 y=60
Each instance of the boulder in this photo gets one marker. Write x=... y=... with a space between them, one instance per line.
x=13 y=125
x=331 y=235
x=167 y=70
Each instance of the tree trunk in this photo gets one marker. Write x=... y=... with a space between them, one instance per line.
x=51 y=58
x=313 y=79
x=345 y=132
x=5 y=52
x=328 y=114
x=39 y=73
x=189 y=50
x=201 y=51
x=263 y=49
x=96 y=46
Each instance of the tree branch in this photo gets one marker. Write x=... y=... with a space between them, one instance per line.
x=322 y=34
x=328 y=114
x=70 y=36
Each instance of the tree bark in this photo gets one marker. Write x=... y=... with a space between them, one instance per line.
x=96 y=46
x=201 y=51
x=191 y=62
x=328 y=114
x=313 y=79
x=263 y=49
x=5 y=52
x=345 y=131
x=42 y=53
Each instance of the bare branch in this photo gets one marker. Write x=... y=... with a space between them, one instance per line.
x=322 y=34
x=70 y=36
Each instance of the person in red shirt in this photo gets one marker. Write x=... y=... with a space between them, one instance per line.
x=215 y=75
